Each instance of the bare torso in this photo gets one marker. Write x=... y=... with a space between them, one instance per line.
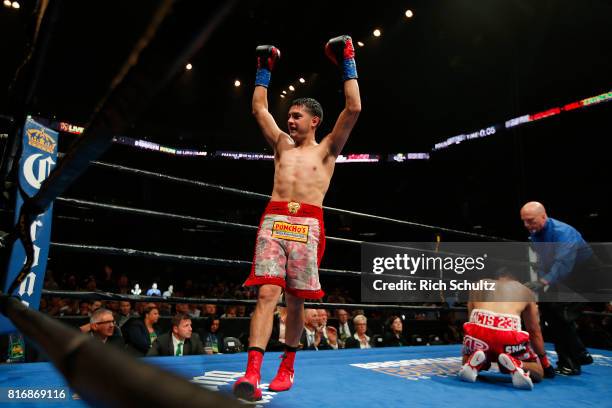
x=509 y=297
x=302 y=173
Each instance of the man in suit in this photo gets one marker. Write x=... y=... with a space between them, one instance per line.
x=103 y=327
x=180 y=341
x=345 y=326
x=312 y=337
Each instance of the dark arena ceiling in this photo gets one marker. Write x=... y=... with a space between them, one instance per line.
x=453 y=68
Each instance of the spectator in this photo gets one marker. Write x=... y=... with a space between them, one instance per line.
x=182 y=308
x=241 y=311
x=70 y=283
x=345 y=327
x=90 y=284
x=59 y=307
x=125 y=313
x=180 y=341
x=360 y=339
x=212 y=337
x=84 y=309
x=188 y=289
x=209 y=310
x=322 y=317
x=165 y=309
x=95 y=305
x=230 y=312
x=140 y=333
x=332 y=337
x=194 y=311
x=50 y=283
x=312 y=336
x=102 y=327
x=106 y=283
x=394 y=336
x=123 y=285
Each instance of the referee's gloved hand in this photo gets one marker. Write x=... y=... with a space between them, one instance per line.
x=535 y=286
x=549 y=370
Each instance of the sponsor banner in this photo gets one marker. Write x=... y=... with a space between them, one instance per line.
x=38 y=158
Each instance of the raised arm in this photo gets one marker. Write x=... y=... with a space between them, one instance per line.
x=340 y=50
x=264 y=119
x=267 y=56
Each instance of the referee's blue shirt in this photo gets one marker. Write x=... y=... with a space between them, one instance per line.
x=557 y=261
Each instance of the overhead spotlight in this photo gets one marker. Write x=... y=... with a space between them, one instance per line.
x=236 y=83
x=7 y=3
x=284 y=92
x=302 y=80
x=188 y=67
x=409 y=13
x=359 y=43
x=282 y=96
x=15 y=5
x=291 y=88
x=377 y=33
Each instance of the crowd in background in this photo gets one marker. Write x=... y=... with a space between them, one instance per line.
x=163 y=328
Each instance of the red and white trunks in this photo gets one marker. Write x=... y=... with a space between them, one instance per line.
x=288 y=249
x=496 y=333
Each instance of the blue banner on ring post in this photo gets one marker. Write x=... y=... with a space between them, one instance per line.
x=38 y=158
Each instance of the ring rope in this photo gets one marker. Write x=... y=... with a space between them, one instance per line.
x=246 y=302
x=193 y=258
x=189 y=218
x=267 y=197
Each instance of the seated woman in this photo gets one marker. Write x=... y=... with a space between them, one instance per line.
x=394 y=336
x=139 y=333
x=360 y=339
x=212 y=337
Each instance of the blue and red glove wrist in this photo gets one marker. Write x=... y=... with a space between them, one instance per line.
x=349 y=69
x=262 y=77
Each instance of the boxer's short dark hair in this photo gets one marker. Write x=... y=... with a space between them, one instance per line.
x=311 y=105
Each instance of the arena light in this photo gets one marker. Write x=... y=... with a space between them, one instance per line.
x=409 y=13
x=7 y=3
x=282 y=96
x=359 y=43
x=188 y=67
x=302 y=80
x=284 y=92
x=377 y=33
x=236 y=83
x=15 y=5
x=291 y=88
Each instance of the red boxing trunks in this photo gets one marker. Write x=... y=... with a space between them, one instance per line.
x=288 y=249
x=496 y=333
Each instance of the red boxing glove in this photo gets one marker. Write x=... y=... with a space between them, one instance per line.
x=267 y=55
x=341 y=52
x=549 y=370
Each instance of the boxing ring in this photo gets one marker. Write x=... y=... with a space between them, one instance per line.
x=386 y=377
x=419 y=376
